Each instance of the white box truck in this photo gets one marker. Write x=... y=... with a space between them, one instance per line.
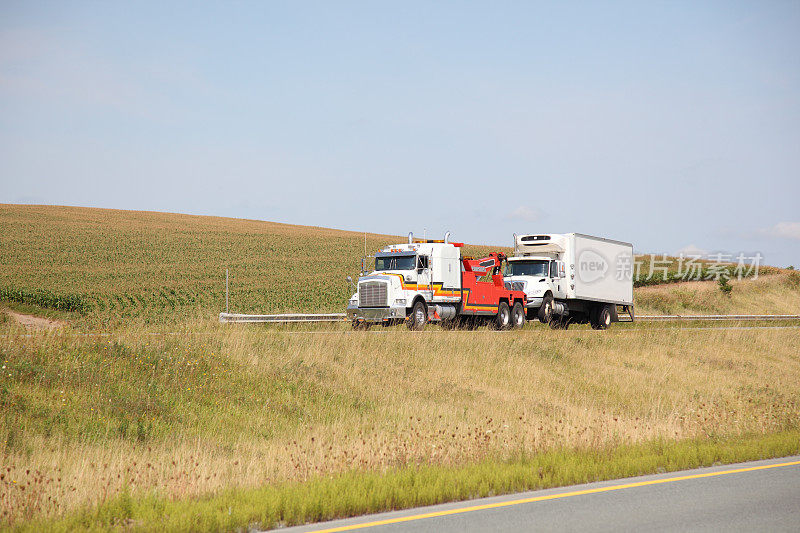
x=572 y=278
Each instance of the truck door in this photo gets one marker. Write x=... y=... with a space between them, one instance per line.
x=558 y=282
x=424 y=276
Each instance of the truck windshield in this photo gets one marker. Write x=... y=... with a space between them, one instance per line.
x=395 y=262
x=526 y=268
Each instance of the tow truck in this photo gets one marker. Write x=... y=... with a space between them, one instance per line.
x=425 y=280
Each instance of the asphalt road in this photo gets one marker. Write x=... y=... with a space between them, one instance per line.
x=756 y=496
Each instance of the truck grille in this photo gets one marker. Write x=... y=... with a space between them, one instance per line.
x=372 y=294
x=515 y=285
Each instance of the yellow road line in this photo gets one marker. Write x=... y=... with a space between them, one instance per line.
x=549 y=497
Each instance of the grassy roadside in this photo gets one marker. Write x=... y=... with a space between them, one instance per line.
x=356 y=493
x=85 y=420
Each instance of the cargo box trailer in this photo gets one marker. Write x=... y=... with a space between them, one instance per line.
x=572 y=278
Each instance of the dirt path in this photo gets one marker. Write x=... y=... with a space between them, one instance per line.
x=35 y=322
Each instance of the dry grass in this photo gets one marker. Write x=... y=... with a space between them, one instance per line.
x=224 y=407
x=772 y=294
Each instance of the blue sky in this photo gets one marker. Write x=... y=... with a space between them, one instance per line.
x=671 y=125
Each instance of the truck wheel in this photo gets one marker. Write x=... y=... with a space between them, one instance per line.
x=546 y=310
x=518 y=315
x=593 y=320
x=502 y=320
x=419 y=316
x=603 y=318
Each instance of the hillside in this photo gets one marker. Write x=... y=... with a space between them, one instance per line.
x=128 y=263
x=769 y=294
x=110 y=265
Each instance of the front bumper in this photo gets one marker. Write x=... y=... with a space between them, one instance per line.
x=534 y=302
x=376 y=314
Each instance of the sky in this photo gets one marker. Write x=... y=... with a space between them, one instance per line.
x=671 y=125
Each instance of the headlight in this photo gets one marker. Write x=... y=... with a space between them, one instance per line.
x=400 y=301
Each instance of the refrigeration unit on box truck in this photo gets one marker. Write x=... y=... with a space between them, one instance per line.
x=572 y=278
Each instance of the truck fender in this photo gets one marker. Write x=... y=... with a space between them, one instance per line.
x=417 y=298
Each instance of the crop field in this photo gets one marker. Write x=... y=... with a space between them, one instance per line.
x=111 y=267
x=129 y=407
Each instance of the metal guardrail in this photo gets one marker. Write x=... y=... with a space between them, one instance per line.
x=285 y=318
x=666 y=318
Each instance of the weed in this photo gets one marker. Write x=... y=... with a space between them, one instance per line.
x=724 y=287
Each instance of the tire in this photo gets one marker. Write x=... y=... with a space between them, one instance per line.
x=518 y=315
x=603 y=318
x=418 y=317
x=593 y=320
x=502 y=319
x=546 y=310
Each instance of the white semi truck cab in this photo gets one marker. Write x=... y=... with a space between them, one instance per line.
x=572 y=278
x=429 y=272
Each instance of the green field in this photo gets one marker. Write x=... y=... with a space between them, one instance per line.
x=140 y=411
x=115 y=266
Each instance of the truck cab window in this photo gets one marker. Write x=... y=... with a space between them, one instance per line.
x=394 y=262
x=526 y=268
x=422 y=261
x=553 y=269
